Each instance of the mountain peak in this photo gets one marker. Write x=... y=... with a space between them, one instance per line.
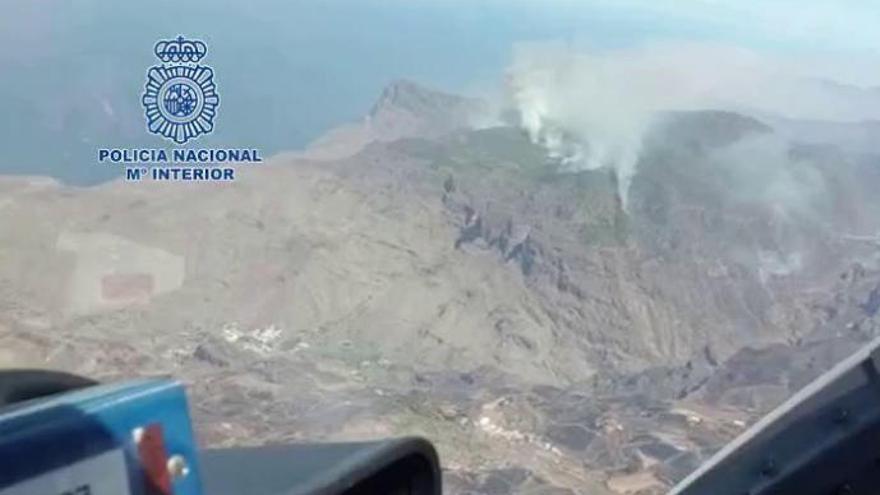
x=420 y=101
x=404 y=109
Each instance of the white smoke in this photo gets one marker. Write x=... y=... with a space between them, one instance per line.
x=774 y=264
x=759 y=170
x=592 y=109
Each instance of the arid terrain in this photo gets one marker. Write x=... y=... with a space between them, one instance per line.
x=432 y=271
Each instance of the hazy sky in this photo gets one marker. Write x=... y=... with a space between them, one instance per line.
x=71 y=71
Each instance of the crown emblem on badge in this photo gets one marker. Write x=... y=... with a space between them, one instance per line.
x=180 y=50
x=180 y=97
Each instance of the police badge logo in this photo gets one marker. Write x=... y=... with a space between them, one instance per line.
x=180 y=97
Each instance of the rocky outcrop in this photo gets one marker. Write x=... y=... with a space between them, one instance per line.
x=405 y=109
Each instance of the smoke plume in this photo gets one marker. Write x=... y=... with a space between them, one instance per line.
x=592 y=109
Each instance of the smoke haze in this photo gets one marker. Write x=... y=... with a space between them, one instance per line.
x=592 y=109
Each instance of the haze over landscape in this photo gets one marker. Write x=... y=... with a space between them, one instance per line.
x=579 y=247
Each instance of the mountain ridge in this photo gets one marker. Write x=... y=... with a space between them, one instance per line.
x=460 y=283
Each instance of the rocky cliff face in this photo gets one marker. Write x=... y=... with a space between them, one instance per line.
x=459 y=283
x=404 y=110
